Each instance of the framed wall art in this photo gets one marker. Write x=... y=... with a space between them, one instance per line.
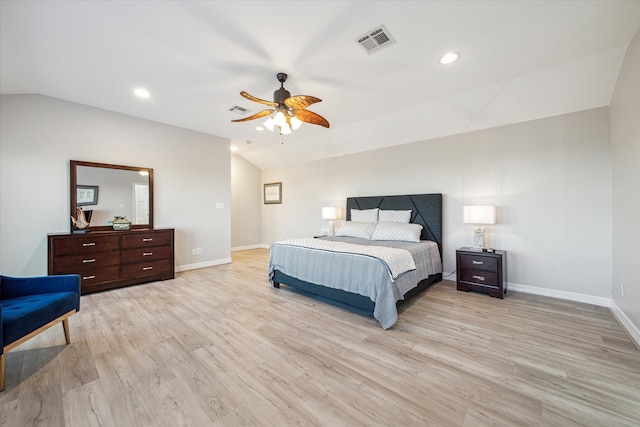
x=273 y=193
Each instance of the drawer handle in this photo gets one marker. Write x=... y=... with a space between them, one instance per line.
x=477 y=262
x=147 y=268
x=149 y=239
x=89 y=244
x=86 y=261
x=147 y=253
x=479 y=278
x=88 y=277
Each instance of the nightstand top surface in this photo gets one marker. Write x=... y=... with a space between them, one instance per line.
x=482 y=251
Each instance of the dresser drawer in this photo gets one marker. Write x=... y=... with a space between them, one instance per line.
x=146 y=268
x=484 y=278
x=99 y=275
x=85 y=244
x=153 y=253
x=478 y=262
x=89 y=261
x=144 y=239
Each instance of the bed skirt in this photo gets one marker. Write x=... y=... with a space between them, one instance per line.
x=349 y=299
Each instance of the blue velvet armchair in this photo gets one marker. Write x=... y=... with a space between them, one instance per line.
x=31 y=305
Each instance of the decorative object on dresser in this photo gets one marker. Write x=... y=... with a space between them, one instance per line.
x=112 y=259
x=483 y=270
x=479 y=215
x=121 y=223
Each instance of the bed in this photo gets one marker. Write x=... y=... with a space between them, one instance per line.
x=366 y=279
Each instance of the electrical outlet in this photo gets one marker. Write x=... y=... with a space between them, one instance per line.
x=622 y=288
x=249 y=236
x=193 y=251
x=198 y=251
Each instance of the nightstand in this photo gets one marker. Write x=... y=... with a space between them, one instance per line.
x=482 y=271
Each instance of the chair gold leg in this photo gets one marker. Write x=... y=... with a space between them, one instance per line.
x=65 y=326
x=3 y=369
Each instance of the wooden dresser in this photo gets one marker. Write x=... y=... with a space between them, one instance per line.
x=111 y=259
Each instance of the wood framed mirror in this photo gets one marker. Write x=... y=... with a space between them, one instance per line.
x=104 y=191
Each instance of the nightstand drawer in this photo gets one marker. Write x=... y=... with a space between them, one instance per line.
x=484 y=278
x=478 y=262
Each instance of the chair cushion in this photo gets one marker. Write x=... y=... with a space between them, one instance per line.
x=23 y=315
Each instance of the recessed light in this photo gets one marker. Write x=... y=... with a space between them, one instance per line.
x=449 y=57
x=260 y=128
x=233 y=148
x=141 y=93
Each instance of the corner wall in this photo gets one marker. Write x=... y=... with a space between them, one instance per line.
x=246 y=201
x=625 y=141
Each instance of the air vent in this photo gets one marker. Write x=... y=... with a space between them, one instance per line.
x=238 y=110
x=375 y=40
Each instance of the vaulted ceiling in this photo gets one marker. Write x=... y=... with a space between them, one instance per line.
x=519 y=60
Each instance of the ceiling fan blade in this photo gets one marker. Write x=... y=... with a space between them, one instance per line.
x=256 y=116
x=258 y=100
x=300 y=102
x=311 y=117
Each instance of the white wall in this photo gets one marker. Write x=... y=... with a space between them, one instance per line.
x=549 y=178
x=38 y=137
x=625 y=140
x=246 y=201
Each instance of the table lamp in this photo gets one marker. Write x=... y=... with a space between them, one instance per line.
x=479 y=215
x=332 y=213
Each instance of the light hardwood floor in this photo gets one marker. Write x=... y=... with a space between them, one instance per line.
x=220 y=347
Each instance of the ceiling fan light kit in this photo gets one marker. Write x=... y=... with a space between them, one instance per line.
x=289 y=111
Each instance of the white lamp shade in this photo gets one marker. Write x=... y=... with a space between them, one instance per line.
x=279 y=118
x=295 y=123
x=331 y=212
x=479 y=214
x=285 y=129
x=270 y=124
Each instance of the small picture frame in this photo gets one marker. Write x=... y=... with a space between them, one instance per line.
x=273 y=193
x=86 y=195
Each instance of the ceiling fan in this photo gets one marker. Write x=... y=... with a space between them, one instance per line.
x=289 y=110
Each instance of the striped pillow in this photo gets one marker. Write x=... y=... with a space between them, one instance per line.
x=397 y=231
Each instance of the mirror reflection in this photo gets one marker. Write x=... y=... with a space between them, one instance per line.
x=106 y=191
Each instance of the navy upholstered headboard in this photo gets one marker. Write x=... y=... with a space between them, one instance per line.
x=426 y=210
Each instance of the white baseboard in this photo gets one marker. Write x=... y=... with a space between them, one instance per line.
x=628 y=326
x=618 y=314
x=571 y=296
x=246 y=248
x=197 y=265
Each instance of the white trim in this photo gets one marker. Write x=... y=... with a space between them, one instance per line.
x=246 y=248
x=626 y=323
x=197 y=265
x=571 y=296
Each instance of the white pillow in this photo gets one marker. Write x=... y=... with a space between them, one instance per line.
x=394 y=216
x=366 y=215
x=362 y=230
x=397 y=231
